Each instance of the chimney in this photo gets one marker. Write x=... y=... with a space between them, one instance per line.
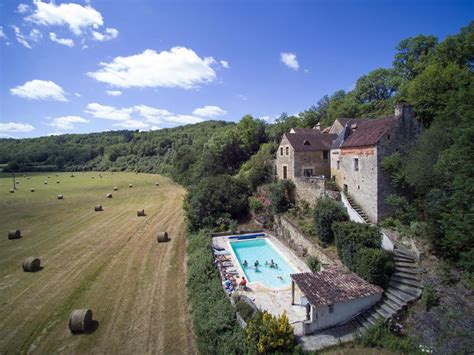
x=402 y=109
x=354 y=126
x=318 y=126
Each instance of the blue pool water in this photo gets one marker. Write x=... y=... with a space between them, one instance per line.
x=261 y=250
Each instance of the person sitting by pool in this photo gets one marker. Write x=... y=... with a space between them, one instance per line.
x=246 y=263
x=243 y=283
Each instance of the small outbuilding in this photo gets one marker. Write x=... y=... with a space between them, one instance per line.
x=332 y=297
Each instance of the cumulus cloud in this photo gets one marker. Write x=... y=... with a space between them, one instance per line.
x=152 y=114
x=67 y=122
x=64 y=41
x=132 y=124
x=110 y=33
x=113 y=92
x=26 y=40
x=209 y=111
x=180 y=67
x=22 y=8
x=77 y=17
x=16 y=127
x=225 y=64
x=39 y=90
x=109 y=112
x=289 y=59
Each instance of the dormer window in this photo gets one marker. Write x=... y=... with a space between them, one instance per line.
x=305 y=142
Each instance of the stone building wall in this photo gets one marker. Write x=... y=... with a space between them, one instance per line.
x=309 y=189
x=362 y=184
x=312 y=160
x=285 y=159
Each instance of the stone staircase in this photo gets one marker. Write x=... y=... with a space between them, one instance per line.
x=404 y=287
x=358 y=209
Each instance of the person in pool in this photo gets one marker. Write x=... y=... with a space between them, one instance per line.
x=246 y=263
x=272 y=264
x=256 y=263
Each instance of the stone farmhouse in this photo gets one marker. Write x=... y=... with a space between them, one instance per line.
x=357 y=147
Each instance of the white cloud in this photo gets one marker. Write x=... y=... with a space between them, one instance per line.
x=16 y=127
x=152 y=114
x=77 y=94
x=113 y=92
x=77 y=17
x=209 y=111
x=67 y=122
x=39 y=90
x=289 y=59
x=132 y=124
x=225 y=64
x=2 y=34
x=110 y=33
x=109 y=112
x=64 y=41
x=22 y=8
x=180 y=67
x=183 y=119
x=154 y=128
x=25 y=40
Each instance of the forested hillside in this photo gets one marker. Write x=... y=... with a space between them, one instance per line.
x=435 y=179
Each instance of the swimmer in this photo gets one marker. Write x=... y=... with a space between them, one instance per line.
x=246 y=263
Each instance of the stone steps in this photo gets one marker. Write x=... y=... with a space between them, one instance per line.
x=406 y=281
x=407 y=275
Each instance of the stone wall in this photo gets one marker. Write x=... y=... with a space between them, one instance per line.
x=312 y=160
x=290 y=234
x=285 y=159
x=309 y=189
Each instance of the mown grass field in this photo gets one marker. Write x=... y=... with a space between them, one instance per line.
x=107 y=261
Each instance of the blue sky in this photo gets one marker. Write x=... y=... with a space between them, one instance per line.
x=89 y=66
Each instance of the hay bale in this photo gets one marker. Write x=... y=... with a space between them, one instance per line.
x=92 y=177
x=57 y=181
x=45 y=182
x=12 y=191
x=80 y=320
x=156 y=184
x=109 y=195
x=162 y=237
x=130 y=185
x=31 y=264
x=14 y=234
x=98 y=208
x=32 y=190
x=60 y=197
x=115 y=188
x=49 y=177
x=141 y=213
x=17 y=182
x=57 y=175
x=28 y=178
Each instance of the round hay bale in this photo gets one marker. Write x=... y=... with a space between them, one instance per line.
x=141 y=213
x=32 y=190
x=162 y=237
x=92 y=177
x=12 y=191
x=98 y=208
x=28 y=178
x=115 y=188
x=57 y=181
x=130 y=185
x=57 y=175
x=14 y=234
x=156 y=184
x=109 y=195
x=31 y=264
x=60 y=197
x=17 y=182
x=49 y=177
x=45 y=182
x=80 y=320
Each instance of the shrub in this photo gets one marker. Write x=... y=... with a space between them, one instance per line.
x=255 y=204
x=280 y=195
x=215 y=197
x=313 y=263
x=380 y=336
x=269 y=334
x=374 y=265
x=308 y=229
x=245 y=310
x=214 y=320
x=350 y=237
x=430 y=297
x=326 y=212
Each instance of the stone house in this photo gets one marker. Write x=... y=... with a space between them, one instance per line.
x=357 y=153
x=304 y=152
x=332 y=297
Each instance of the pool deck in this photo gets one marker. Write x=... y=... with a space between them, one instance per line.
x=275 y=301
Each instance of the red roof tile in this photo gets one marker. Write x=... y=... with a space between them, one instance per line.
x=310 y=141
x=333 y=286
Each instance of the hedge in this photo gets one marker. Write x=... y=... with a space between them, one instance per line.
x=214 y=319
x=374 y=265
x=326 y=212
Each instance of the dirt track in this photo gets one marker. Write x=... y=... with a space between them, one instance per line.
x=107 y=261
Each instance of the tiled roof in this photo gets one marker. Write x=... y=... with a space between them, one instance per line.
x=367 y=132
x=333 y=286
x=304 y=130
x=310 y=141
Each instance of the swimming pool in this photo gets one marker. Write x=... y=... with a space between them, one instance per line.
x=261 y=250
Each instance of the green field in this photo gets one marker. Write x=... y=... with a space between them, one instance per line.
x=107 y=261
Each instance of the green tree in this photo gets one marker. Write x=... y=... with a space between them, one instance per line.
x=458 y=49
x=325 y=213
x=280 y=195
x=413 y=55
x=374 y=265
x=380 y=84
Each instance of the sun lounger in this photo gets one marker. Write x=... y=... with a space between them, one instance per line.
x=221 y=252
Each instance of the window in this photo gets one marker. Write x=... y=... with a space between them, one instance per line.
x=325 y=155
x=356 y=164
x=308 y=172
x=388 y=136
x=331 y=308
x=281 y=151
x=305 y=142
x=338 y=165
x=287 y=150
